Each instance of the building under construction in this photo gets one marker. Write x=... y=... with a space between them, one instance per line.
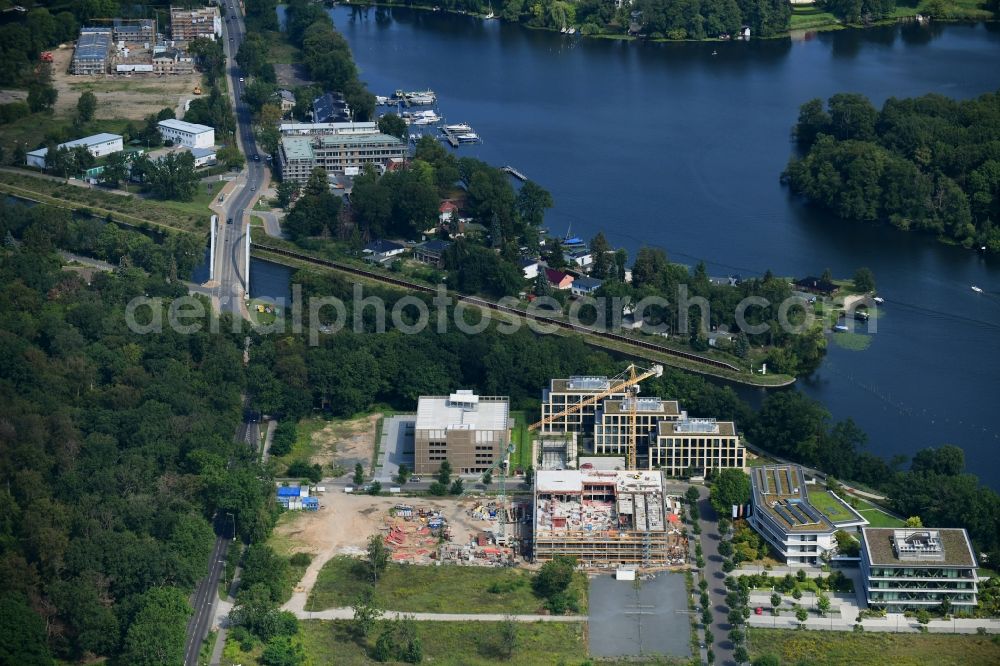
x=605 y=519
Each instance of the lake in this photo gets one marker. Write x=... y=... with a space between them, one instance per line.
x=675 y=146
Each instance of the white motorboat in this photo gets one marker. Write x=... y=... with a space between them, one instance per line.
x=425 y=118
x=468 y=137
x=459 y=128
x=382 y=100
x=977 y=289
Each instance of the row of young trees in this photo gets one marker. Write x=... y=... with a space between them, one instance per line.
x=116 y=451
x=928 y=163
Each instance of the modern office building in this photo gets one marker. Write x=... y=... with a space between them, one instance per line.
x=613 y=421
x=182 y=133
x=564 y=393
x=695 y=444
x=914 y=568
x=800 y=531
x=469 y=431
x=604 y=518
x=97 y=145
x=336 y=153
x=188 y=24
x=90 y=57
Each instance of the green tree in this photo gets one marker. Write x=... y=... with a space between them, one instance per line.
x=392 y=125
x=864 y=280
x=22 y=634
x=156 y=633
x=731 y=486
x=287 y=190
x=775 y=601
x=283 y=651
x=555 y=576
x=456 y=487
x=801 y=615
x=86 y=105
x=822 y=604
x=378 y=555
x=359 y=474
x=366 y=613
x=284 y=438
x=923 y=617
x=914 y=521
x=231 y=156
x=767 y=660
x=444 y=473
x=741 y=655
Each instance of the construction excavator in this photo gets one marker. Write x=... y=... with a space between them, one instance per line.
x=626 y=382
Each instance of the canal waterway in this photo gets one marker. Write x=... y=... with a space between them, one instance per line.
x=681 y=145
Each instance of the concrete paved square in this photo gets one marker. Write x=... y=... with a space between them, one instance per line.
x=627 y=621
x=396 y=447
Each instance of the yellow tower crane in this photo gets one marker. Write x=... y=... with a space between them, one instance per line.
x=627 y=382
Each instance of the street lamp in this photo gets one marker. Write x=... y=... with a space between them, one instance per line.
x=234 y=524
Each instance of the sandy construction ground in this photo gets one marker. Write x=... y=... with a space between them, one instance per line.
x=343 y=526
x=345 y=443
x=127 y=97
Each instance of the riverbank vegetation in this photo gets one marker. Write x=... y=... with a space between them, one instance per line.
x=930 y=164
x=659 y=20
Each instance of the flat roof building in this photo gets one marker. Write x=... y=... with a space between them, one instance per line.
x=336 y=153
x=188 y=24
x=613 y=423
x=187 y=134
x=781 y=512
x=469 y=431
x=914 y=568
x=90 y=57
x=305 y=129
x=134 y=31
x=604 y=518
x=564 y=393
x=97 y=145
x=681 y=445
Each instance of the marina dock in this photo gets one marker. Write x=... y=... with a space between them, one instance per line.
x=514 y=172
x=451 y=138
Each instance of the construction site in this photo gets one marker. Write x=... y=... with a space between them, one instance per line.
x=606 y=519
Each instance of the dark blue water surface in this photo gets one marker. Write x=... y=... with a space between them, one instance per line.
x=670 y=145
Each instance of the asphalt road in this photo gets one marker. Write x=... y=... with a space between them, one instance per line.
x=231 y=268
x=204 y=602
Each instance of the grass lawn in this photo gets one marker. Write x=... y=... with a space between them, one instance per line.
x=818 y=648
x=811 y=16
x=443 y=643
x=128 y=209
x=444 y=589
x=522 y=441
x=831 y=508
x=284 y=545
x=304 y=446
x=199 y=203
x=874 y=515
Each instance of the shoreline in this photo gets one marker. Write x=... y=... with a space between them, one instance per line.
x=792 y=33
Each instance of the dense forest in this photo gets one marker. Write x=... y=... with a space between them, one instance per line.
x=116 y=451
x=929 y=163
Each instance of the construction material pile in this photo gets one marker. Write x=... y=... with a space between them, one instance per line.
x=414 y=534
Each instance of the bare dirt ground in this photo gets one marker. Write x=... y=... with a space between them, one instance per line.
x=343 y=526
x=8 y=96
x=128 y=97
x=345 y=443
x=291 y=75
